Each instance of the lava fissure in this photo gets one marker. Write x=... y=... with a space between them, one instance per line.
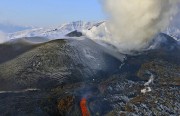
x=84 y=109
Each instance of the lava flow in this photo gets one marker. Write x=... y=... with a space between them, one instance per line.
x=84 y=109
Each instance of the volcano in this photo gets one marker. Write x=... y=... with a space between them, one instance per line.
x=61 y=77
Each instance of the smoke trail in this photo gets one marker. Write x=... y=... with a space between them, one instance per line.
x=133 y=23
x=2 y=37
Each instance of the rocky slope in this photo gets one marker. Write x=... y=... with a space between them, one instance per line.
x=56 y=62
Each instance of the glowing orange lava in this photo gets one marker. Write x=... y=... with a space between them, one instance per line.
x=84 y=108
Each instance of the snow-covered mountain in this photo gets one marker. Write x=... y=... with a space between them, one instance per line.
x=94 y=30
x=53 y=32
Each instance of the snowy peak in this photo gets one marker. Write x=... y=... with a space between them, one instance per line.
x=78 y=25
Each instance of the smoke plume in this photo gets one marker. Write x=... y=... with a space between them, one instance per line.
x=134 y=23
x=2 y=37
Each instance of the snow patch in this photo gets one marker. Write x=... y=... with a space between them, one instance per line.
x=147 y=84
x=151 y=79
x=145 y=90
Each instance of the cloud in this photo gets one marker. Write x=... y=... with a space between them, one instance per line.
x=134 y=23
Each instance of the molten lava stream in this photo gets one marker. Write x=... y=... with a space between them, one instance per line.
x=84 y=109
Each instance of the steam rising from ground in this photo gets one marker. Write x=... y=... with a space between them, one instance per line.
x=134 y=23
x=2 y=37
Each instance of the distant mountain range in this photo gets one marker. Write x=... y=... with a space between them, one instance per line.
x=11 y=28
x=95 y=30
x=53 y=32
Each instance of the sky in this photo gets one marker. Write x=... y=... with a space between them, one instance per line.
x=49 y=12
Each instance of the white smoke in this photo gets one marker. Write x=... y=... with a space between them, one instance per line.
x=3 y=37
x=133 y=23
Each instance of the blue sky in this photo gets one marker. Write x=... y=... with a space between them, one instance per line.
x=49 y=12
